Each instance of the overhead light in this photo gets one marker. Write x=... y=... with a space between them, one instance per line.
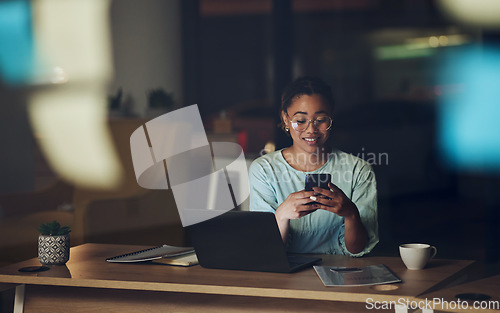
x=481 y=13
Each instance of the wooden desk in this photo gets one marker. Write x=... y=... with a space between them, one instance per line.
x=87 y=283
x=446 y=300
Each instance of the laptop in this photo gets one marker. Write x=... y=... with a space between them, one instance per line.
x=244 y=240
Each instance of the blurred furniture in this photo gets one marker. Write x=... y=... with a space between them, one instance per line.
x=151 y=218
x=252 y=124
x=126 y=214
x=55 y=196
x=161 y=288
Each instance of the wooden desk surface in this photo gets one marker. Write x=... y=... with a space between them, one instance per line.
x=446 y=299
x=87 y=268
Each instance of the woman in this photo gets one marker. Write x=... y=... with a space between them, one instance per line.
x=343 y=219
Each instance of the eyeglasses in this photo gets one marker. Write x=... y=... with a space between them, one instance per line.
x=322 y=123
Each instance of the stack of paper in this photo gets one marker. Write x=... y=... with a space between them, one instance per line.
x=183 y=260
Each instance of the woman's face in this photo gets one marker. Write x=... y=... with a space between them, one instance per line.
x=307 y=108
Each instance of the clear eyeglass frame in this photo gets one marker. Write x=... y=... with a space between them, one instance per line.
x=319 y=125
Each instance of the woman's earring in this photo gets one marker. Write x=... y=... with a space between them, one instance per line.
x=287 y=129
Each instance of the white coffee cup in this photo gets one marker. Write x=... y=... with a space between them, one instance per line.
x=416 y=255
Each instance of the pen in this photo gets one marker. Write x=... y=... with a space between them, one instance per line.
x=345 y=269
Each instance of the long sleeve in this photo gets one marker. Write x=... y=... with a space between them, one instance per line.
x=262 y=195
x=364 y=196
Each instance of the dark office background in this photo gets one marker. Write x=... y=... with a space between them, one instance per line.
x=382 y=59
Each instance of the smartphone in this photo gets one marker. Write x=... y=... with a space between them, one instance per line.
x=317 y=180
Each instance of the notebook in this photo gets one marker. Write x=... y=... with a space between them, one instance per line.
x=353 y=276
x=151 y=254
x=243 y=240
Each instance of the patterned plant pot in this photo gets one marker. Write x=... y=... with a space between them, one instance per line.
x=53 y=250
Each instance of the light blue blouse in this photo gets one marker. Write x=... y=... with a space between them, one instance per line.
x=272 y=179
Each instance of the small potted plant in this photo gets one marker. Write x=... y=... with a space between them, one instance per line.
x=159 y=102
x=53 y=244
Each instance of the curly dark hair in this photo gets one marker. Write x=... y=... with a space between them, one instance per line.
x=306 y=85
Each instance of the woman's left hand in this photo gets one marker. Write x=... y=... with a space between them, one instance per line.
x=337 y=203
x=355 y=233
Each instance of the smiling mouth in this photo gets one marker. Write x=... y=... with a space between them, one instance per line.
x=311 y=140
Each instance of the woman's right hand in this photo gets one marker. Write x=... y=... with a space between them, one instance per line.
x=295 y=206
